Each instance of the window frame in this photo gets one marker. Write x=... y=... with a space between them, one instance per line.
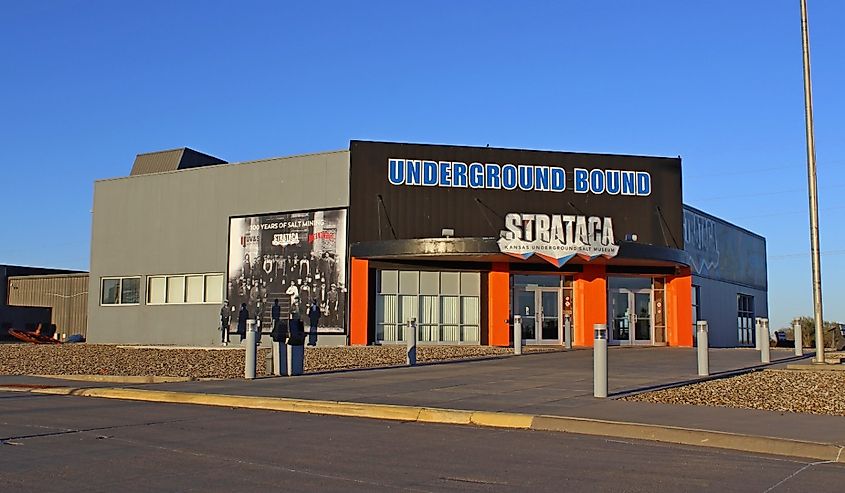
x=205 y=277
x=428 y=333
x=120 y=280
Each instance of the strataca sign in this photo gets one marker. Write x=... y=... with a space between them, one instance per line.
x=557 y=238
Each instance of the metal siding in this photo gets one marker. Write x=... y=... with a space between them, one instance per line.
x=178 y=223
x=718 y=305
x=156 y=162
x=67 y=296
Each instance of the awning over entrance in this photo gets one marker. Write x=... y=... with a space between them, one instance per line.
x=487 y=250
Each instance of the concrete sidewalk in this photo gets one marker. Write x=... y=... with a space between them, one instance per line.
x=556 y=384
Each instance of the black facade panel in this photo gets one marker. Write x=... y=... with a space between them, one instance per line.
x=380 y=210
x=723 y=251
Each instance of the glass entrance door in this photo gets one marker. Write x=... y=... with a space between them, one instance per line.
x=642 y=317
x=549 y=315
x=630 y=313
x=539 y=309
x=526 y=304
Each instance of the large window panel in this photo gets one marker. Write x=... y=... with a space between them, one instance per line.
x=470 y=333
x=130 y=291
x=156 y=290
x=389 y=282
x=429 y=282
x=120 y=291
x=214 y=288
x=111 y=292
x=450 y=283
x=194 y=288
x=407 y=311
x=386 y=318
x=470 y=283
x=409 y=282
x=176 y=289
x=444 y=304
x=429 y=318
x=470 y=310
x=451 y=330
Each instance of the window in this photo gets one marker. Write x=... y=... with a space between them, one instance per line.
x=175 y=289
x=445 y=305
x=696 y=307
x=745 y=319
x=194 y=289
x=156 y=288
x=120 y=291
x=658 y=287
x=185 y=289
x=213 y=288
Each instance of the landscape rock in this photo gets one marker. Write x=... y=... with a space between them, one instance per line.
x=107 y=359
x=814 y=392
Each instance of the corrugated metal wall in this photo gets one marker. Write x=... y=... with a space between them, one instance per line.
x=67 y=295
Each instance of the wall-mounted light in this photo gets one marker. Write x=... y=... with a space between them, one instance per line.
x=447 y=232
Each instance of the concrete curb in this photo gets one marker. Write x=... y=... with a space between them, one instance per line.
x=585 y=426
x=119 y=378
x=694 y=437
x=811 y=367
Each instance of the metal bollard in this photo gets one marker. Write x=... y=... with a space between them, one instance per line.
x=703 y=349
x=276 y=358
x=567 y=332
x=251 y=350
x=758 y=324
x=600 y=360
x=765 y=356
x=517 y=335
x=798 y=336
x=268 y=363
x=411 y=339
x=295 y=360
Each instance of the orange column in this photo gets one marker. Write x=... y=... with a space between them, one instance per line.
x=679 y=309
x=498 y=305
x=590 y=291
x=358 y=296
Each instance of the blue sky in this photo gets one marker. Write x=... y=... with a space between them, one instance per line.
x=86 y=85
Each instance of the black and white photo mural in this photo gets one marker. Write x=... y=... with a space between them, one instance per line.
x=298 y=258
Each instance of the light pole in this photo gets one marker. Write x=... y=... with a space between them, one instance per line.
x=811 y=179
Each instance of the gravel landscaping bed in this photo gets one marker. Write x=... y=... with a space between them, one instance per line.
x=815 y=392
x=102 y=359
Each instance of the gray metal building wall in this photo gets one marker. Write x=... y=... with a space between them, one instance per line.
x=178 y=223
x=65 y=294
x=727 y=261
x=718 y=305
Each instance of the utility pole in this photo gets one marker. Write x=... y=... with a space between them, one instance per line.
x=814 y=198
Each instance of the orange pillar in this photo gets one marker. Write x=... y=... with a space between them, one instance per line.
x=358 y=296
x=679 y=309
x=590 y=291
x=498 y=305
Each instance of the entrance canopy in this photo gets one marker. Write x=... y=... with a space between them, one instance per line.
x=487 y=250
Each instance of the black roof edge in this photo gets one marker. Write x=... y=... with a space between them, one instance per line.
x=605 y=154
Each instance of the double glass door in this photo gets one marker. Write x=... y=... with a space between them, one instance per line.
x=539 y=310
x=631 y=316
